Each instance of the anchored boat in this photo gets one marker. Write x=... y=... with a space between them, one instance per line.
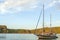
x=44 y=35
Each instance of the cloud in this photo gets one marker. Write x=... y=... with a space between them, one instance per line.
x=54 y=3
x=13 y=6
x=51 y=4
x=57 y=5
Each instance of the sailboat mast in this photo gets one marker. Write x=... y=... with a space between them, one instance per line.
x=50 y=23
x=43 y=19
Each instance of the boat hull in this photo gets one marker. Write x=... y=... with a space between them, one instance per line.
x=46 y=37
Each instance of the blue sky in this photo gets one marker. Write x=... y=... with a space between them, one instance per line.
x=23 y=14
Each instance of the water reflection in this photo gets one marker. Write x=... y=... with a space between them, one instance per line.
x=22 y=37
x=47 y=39
x=2 y=36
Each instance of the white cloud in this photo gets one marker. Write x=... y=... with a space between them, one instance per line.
x=54 y=3
x=51 y=4
x=13 y=6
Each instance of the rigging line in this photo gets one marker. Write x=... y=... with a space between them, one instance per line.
x=50 y=23
x=38 y=21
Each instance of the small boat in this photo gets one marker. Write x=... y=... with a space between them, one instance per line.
x=44 y=35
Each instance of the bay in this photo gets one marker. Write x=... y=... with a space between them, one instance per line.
x=22 y=37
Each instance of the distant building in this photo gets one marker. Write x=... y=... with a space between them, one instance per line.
x=3 y=29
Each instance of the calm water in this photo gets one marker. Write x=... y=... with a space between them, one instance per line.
x=22 y=37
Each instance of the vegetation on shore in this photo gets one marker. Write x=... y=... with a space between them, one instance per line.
x=38 y=31
x=4 y=29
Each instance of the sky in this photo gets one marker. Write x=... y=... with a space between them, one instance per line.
x=23 y=14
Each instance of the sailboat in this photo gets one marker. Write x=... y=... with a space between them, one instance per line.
x=44 y=35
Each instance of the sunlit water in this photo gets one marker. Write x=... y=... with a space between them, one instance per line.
x=22 y=37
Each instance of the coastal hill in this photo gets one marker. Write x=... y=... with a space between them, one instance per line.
x=54 y=29
x=4 y=29
x=38 y=31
